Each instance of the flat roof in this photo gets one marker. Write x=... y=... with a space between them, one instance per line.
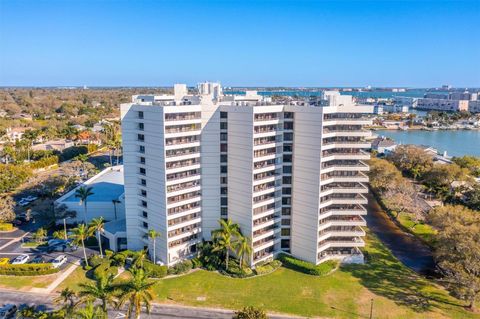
x=106 y=186
x=116 y=226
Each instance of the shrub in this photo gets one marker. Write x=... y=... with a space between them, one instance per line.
x=155 y=271
x=95 y=260
x=105 y=269
x=11 y=176
x=250 y=313
x=6 y=227
x=44 y=162
x=234 y=270
x=196 y=263
x=27 y=269
x=306 y=267
x=72 y=152
x=180 y=268
x=265 y=268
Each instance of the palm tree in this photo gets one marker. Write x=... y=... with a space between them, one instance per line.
x=90 y=312
x=153 y=235
x=83 y=193
x=102 y=289
x=141 y=255
x=243 y=249
x=59 y=234
x=27 y=312
x=96 y=226
x=225 y=237
x=80 y=234
x=67 y=298
x=40 y=235
x=137 y=292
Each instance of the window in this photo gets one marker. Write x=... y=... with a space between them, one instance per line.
x=145 y=214
x=224 y=201
x=287 y=148
x=288 y=126
x=223 y=180
x=287 y=170
x=140 y=114
x=287 y=136
x=223 y=136
x=285 y=231
x=286 y=201
x=223 y=169
x=288 y=115
x=223 y=147
x=143 y=182
x=287 y=158
x=286 y=222
x=142 y=160
x=141 y=127
x=141 y=149
x=285 y=243
x=143 y=192
x=223 y=125
x=144 y=203
x=287 y=179
x=223 y=115
x=286 y=211
x=223 y=190
x=287 y=191
x=224 y=210
x=142 y=170
x=145 y=225
x=141 y=137
x=223 y=158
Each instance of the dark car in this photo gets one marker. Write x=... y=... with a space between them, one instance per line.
x=38 y=259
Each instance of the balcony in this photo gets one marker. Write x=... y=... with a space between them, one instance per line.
x=338 y=154
x=339 y=200
x=341 y=242
x=341 y=210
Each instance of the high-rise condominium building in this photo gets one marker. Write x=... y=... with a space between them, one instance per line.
x=292 y=175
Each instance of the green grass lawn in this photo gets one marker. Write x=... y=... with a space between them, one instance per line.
x=397 y=292
x=25 y=283
x=423 y=231
x=33 y=244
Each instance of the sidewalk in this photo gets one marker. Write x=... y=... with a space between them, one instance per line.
x=58 y=281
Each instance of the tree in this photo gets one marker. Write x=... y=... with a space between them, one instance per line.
x=383 y=175
x=11 y=176
x=7 y=214
x=83 y=193
x=472 y=197
x=402 y=198
x=102 y=289
x=137 y=291
x=27 y=312
x=79 y=236
x=457 y=248
x=250 y=313
x=153 y=235
x=412 y=160
x=471 y=163
x=59 y=234
x=243 y=248
x=139 y=258
x=225 y=237
x=67 y=298
x=90 y=311
x=441 y=176
x=96 y=226
x=40 y=235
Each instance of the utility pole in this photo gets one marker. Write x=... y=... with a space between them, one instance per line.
x=371 y=308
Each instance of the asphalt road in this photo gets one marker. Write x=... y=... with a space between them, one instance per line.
x=45 y=302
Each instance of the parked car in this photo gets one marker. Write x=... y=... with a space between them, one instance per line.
x=8 y=311
x=62 y=246
x=59 y=261
x=20 y=259
x=38 y=259
x=4 y=261
x=23 y=202
x=31 y=198
x=17 y=222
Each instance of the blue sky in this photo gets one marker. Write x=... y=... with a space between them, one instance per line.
x=240 y=43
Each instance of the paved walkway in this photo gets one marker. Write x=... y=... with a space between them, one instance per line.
x=12 y=240
x=58 y=281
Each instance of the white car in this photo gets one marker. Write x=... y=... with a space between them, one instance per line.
x=60 y=260
x=31 y=198
x=23 y=202
x=8 y=311
x=20 y=259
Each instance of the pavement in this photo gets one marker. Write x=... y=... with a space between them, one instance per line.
x=159 y=311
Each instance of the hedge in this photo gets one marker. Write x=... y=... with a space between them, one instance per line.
x=6 y=227
x=105 y=270
x=27 y=269
x=155 y=271
x=262 y=269
x=44 y=162
x=306 y=267
x=180 y=268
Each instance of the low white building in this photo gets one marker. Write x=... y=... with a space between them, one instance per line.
x=107 y=199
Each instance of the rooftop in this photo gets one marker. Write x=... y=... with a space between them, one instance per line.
x=115 y=226
x=106 y=186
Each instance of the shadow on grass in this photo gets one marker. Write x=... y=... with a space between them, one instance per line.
x=384 y=275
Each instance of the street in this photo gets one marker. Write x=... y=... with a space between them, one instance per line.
x=45 y=302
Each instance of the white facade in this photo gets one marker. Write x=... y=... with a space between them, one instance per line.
x=292 y=176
